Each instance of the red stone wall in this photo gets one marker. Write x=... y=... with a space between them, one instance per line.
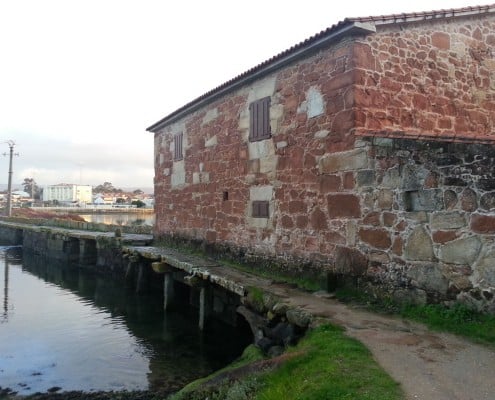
x=199 y=211
x=431 y=79
x=341 y=204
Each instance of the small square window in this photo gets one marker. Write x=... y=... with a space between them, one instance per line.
x=178 y=154
x=261 y=209
x=259 y=120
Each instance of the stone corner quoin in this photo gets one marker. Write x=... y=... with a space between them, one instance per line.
x=375 y=149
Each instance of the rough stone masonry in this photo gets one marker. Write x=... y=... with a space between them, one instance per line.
x=378 y=164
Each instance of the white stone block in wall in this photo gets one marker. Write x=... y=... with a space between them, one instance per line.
x=262 y=88
x=344 y=161
x=261 y=193
x=314 y=103
x=263 y=148
x=211 y=142
x=268 y=164
x=210 y=115
x=178 y=177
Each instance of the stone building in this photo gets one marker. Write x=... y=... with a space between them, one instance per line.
x=366 y=151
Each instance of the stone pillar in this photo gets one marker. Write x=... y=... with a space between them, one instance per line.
x=141 y=278
x=87 y=252
x=168 y=282
x=204 y=298
x=132 y=265
x=168 y=291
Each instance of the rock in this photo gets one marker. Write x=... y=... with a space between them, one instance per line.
x=282 y=334
x=428 y=277
x=485 y=270
x=275 y=351
x=461 y=251
x=419 y=246
x=280 y=308
x=299 y=317
x=410 y=296
x=264 y=344
x=447 y=220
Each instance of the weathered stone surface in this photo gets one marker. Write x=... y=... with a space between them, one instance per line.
x=461 y=251
x=299 y=317
x=484 y=224
x=444 y=236
x=344 y=161
x=428 y=277
x=424 y=200
x=469 y=200
x=447 y=220
x=343 y=205
x=391 y=178
x=450 y=199
x=378 y=238
x=485 y=270
x=419 y=246
x=280 y=308
x=441 y=40
x=413 y=177
x=318 y=219
x=385 y=199
x=350 y=261
x=410 y=296
x=330 y=183
x=487 y=201
x=365 y=177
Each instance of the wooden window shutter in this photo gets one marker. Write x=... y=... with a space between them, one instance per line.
x=259 y=120
x=261 y=209
x=178 y=154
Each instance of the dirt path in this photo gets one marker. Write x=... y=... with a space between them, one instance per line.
x=428 y=365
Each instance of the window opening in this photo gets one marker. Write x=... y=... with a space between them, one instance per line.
x=178 y=155
x=261 y=209
x=259 y=120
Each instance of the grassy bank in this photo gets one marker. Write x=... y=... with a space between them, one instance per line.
x=458 y=319
x=325 y=364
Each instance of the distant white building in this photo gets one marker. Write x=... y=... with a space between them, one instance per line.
x=68 y=193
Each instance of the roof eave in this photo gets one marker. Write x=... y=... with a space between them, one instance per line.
x=350 y=29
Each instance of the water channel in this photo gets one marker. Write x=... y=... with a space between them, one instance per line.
x=69 y=328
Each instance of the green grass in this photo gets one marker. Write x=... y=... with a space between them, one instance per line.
x=196 y=390
x=332 y=366
x=458 y=319
x=325 y=364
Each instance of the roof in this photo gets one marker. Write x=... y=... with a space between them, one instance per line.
x=347 y=27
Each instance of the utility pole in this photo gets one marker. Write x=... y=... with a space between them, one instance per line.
x=11 y=144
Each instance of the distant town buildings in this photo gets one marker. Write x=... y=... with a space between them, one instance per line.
x=68 y=193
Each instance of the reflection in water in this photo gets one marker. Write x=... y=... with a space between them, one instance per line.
x=6 y=291
x=69 y=328
x=136 y=219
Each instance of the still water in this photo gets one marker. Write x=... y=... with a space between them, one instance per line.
x=120 y=218
x=63 y=327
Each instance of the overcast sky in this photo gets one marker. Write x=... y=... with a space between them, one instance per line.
x=81 y=80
